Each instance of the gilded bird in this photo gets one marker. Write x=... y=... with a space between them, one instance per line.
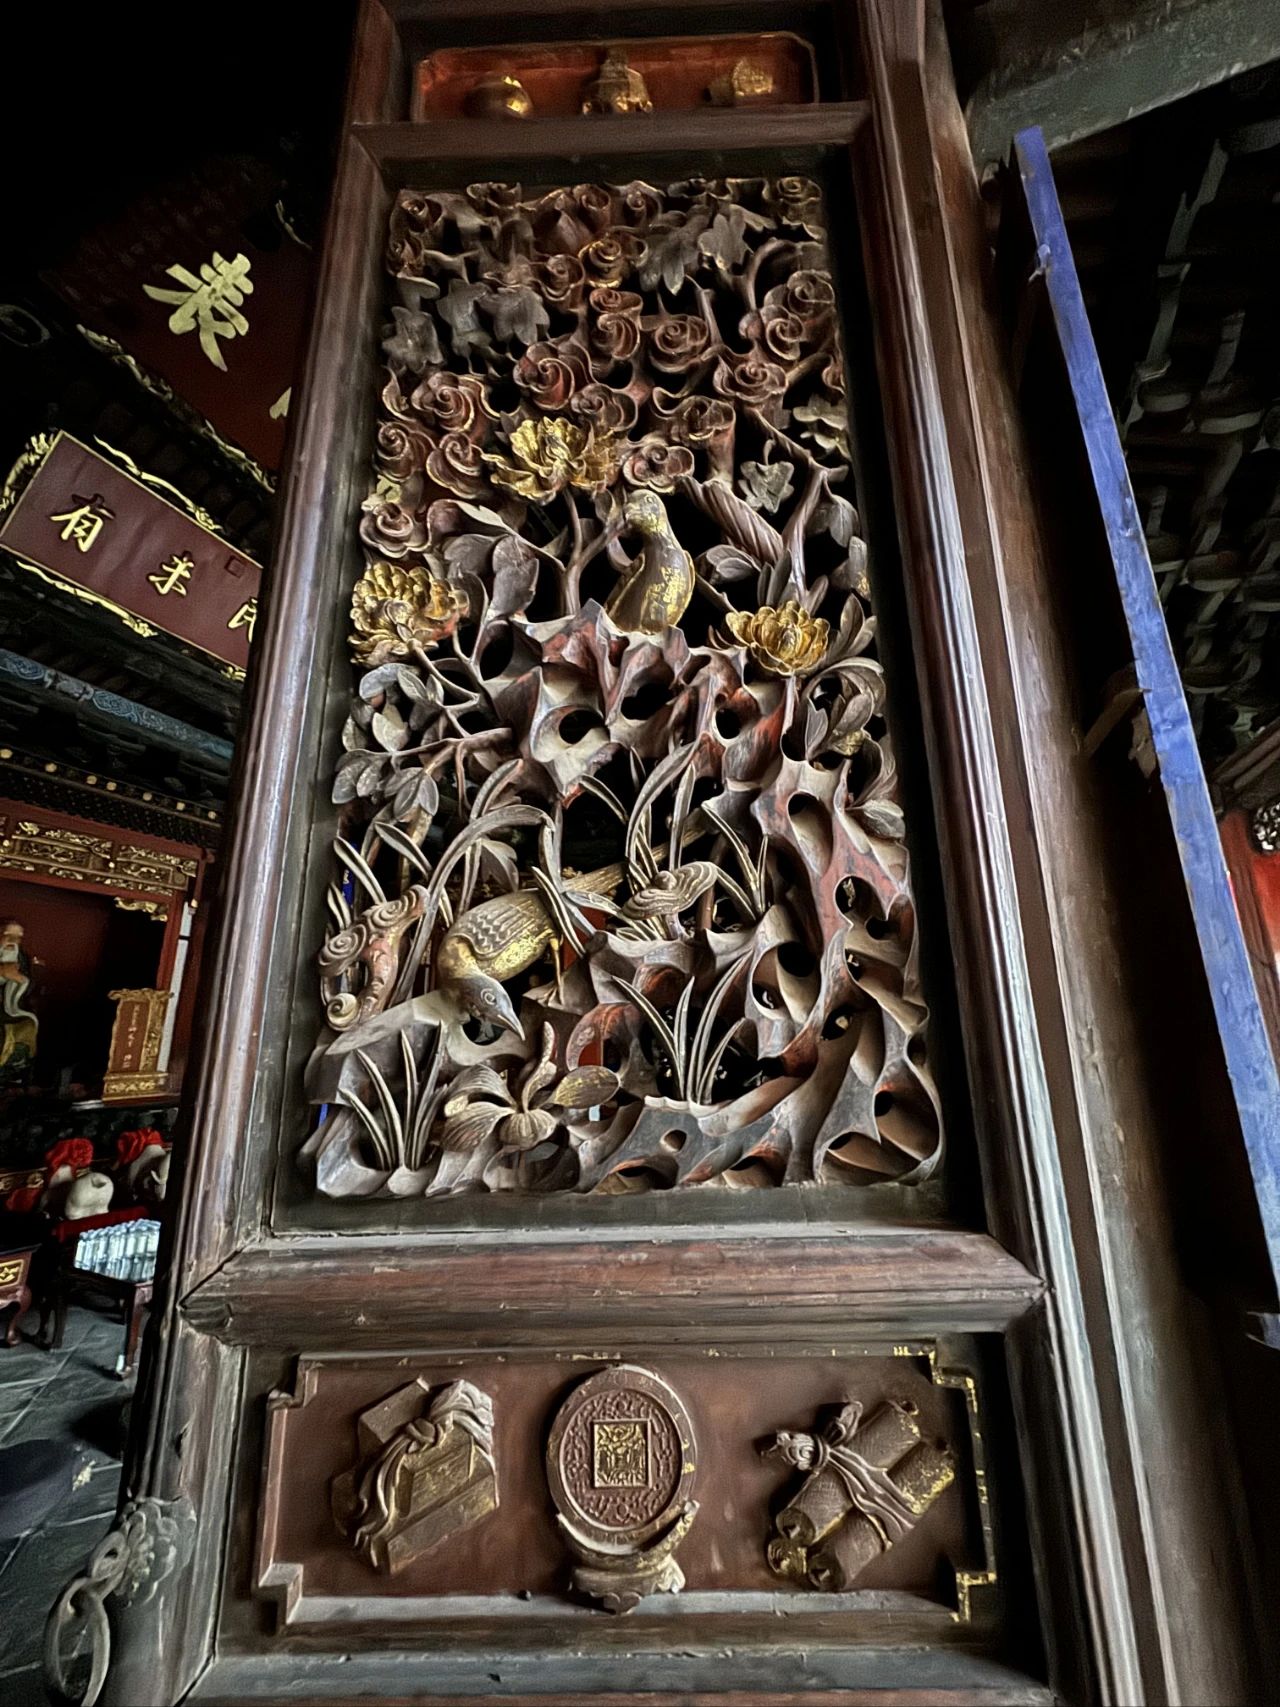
x=499 y=939
x=655 y=592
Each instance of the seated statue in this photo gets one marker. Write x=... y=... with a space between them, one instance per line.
x=18 y=1024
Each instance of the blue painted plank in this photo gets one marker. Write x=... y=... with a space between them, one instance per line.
x=1245 y=1041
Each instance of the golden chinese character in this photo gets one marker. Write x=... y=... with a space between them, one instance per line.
x=246 y=616
x=171 y=577
x=280 y=408
x=85 y=524
x=210 y=302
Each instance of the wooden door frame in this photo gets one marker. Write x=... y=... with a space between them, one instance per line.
x=1045 y=1111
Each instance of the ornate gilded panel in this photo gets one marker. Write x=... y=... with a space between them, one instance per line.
x=622 y=898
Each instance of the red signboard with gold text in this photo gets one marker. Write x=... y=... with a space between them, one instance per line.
x=88 y=522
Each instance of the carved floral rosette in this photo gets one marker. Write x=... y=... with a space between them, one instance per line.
x=622 y=900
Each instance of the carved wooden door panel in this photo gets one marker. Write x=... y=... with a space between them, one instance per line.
x=624 y=1216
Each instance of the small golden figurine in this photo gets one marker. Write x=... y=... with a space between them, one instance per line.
x=656 y=590
x=616 y=87
x=748 y=81
x=498 y=97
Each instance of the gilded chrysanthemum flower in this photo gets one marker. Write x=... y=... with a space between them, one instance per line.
x=553 y=454
x=787 y=641
x=398 y=612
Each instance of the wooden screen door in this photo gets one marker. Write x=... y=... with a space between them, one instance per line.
x=641 y=1233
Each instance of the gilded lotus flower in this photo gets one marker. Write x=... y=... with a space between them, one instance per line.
x=787 y=641
x=552 y=454
x=398 y=612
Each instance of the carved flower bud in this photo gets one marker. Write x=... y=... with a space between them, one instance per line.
x=640 y=203
x=594 y=204
x=615 y=324
x=698 y=421
x=784 y=333
x=417 y=211
x=607 y=411
x=392 y=530
x=749 y=379
x=656 y=464
x=612 y=257
x=493 y=198
x=400 y=451
x=786 y=641
x=678 y=342
x=455 y=404
x=457 y=464
x=809 y=294
x=405 y=255
x=563 y=280
x=794 y=201
x=551 y=374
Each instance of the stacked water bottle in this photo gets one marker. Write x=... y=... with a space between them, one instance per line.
x=126 y=1252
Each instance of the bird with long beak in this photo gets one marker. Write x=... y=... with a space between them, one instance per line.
x=655 y=590
x=497 y=940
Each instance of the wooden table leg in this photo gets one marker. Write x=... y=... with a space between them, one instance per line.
x=136 y=1308
x=12 y=1336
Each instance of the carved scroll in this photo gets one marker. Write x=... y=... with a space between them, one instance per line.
x=865 y=1486
x=622 y=900
x=426 y=1472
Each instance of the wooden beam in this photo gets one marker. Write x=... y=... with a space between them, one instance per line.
x=906 y=1282
x=403 y=152
x=1074 y=71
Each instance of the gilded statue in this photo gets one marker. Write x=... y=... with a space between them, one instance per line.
x=617 y=87
x=655 y=592
x=20 y=1025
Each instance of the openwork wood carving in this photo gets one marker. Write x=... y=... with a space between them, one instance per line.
x=425 y=1472
x=621 y=1466
x=865 y=1486
x=624 y=900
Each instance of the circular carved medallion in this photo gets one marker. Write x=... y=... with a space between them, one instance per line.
x=620 y=1460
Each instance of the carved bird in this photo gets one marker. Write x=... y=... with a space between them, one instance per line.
x=499 y=939
x=656 y=590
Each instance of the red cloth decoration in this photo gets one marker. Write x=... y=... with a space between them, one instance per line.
x=73 y=1153
x=64 y=1231
x=23 y=1198
x=130 y=1145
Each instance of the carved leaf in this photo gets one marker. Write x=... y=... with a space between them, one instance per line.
x=476 y=1084
x=527 y=1128
x=883 y=818
x=767 y=485
x=469 y=1127
x=586 y=1087
x=390 y=729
